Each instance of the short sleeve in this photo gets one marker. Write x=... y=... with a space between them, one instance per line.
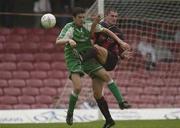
x=66 y=32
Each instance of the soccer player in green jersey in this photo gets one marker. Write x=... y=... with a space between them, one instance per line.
x=76 y=35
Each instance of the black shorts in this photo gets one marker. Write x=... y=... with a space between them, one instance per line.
x=112 y=60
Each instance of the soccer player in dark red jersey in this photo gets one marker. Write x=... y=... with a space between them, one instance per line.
x=108 y=52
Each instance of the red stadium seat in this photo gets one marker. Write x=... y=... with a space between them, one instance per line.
x=21 y=106
x=30 y=91
x=48 y=91
x=34 y=83
x=52 y=82
x=28 y=57
x=3 y=83
x=42 y=66
x=12 y=91
x=29 y=46
x=5 y=107
x=8 y=100
x=44 y=99
x=26 y=99
x=2 y=39
x=7 y=66
x=58 y=65
x=31 y=38
x=38 y=105
x=57 y=74
x=11 y=46
x=5 y=75
x=8 y=57
x=14 y=38
x=25 y=66
x=37 y=31
x=46 y=46
x=42 y=57
x=38 y=74
x=16 y=83
x=21 y=74
x=20 y=31
x=57 y=57
x=5 y=31
x=1 y=92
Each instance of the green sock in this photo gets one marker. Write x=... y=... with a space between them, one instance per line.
x=116 y=92
x=72 y=102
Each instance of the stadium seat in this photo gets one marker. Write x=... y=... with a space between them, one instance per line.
x=14 y=38
x=46 y=46
x=25 y=66
x=20 y=31
x=57 y=56
x=21 y=106
x=17 y=83
x=2 y=39
x=3 y=83
x=44 y=66
x=31 y=91
x=8 y=57
x=5 y=107
x=31 y=38
x=11 y=46
x=37 y=31
x=29 y=46
x=20 y=74
x=48 y=91
x=12 y=91
x=48 y=38
x=44 y=99
x=5 y=75
x=42 y=57
x=24 y=57
x=24 y=99
x=8 y=100
x=1 y=92
x=7 y=66
x=38 y=106
x=5 y=31
x=58 y=65
x=34 y=83
x=50 y=82
x=38 y=74
x=57 y=74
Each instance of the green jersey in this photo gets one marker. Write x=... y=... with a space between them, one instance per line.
x=81 y=35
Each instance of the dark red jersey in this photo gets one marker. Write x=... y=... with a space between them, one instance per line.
x=107 y=42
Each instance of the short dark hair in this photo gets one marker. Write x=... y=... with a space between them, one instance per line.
x=77 y=10
x=108 y=10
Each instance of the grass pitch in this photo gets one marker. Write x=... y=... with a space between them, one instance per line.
x=99 y=124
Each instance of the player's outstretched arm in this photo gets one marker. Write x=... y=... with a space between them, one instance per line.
x=96 y=20
x=65 y=41
x=120 y=42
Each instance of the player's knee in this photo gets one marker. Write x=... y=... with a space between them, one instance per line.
x=107 y=77
x=97 y=95
x=77 y=90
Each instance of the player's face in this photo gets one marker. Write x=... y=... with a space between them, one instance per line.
x=112 y=17
x=79 y=19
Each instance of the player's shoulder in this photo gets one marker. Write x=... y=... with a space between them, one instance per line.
x=69 y=25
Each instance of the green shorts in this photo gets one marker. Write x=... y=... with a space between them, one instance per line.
x=91 y=66
x=74 y=65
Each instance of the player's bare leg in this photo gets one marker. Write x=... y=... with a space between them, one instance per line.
x=73 y=97
x=103 y=74
x=101 y=102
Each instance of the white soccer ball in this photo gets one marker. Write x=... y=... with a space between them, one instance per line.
x=48 y=20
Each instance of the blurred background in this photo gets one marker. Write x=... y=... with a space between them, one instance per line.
x=13 y=13
x=32 y=68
